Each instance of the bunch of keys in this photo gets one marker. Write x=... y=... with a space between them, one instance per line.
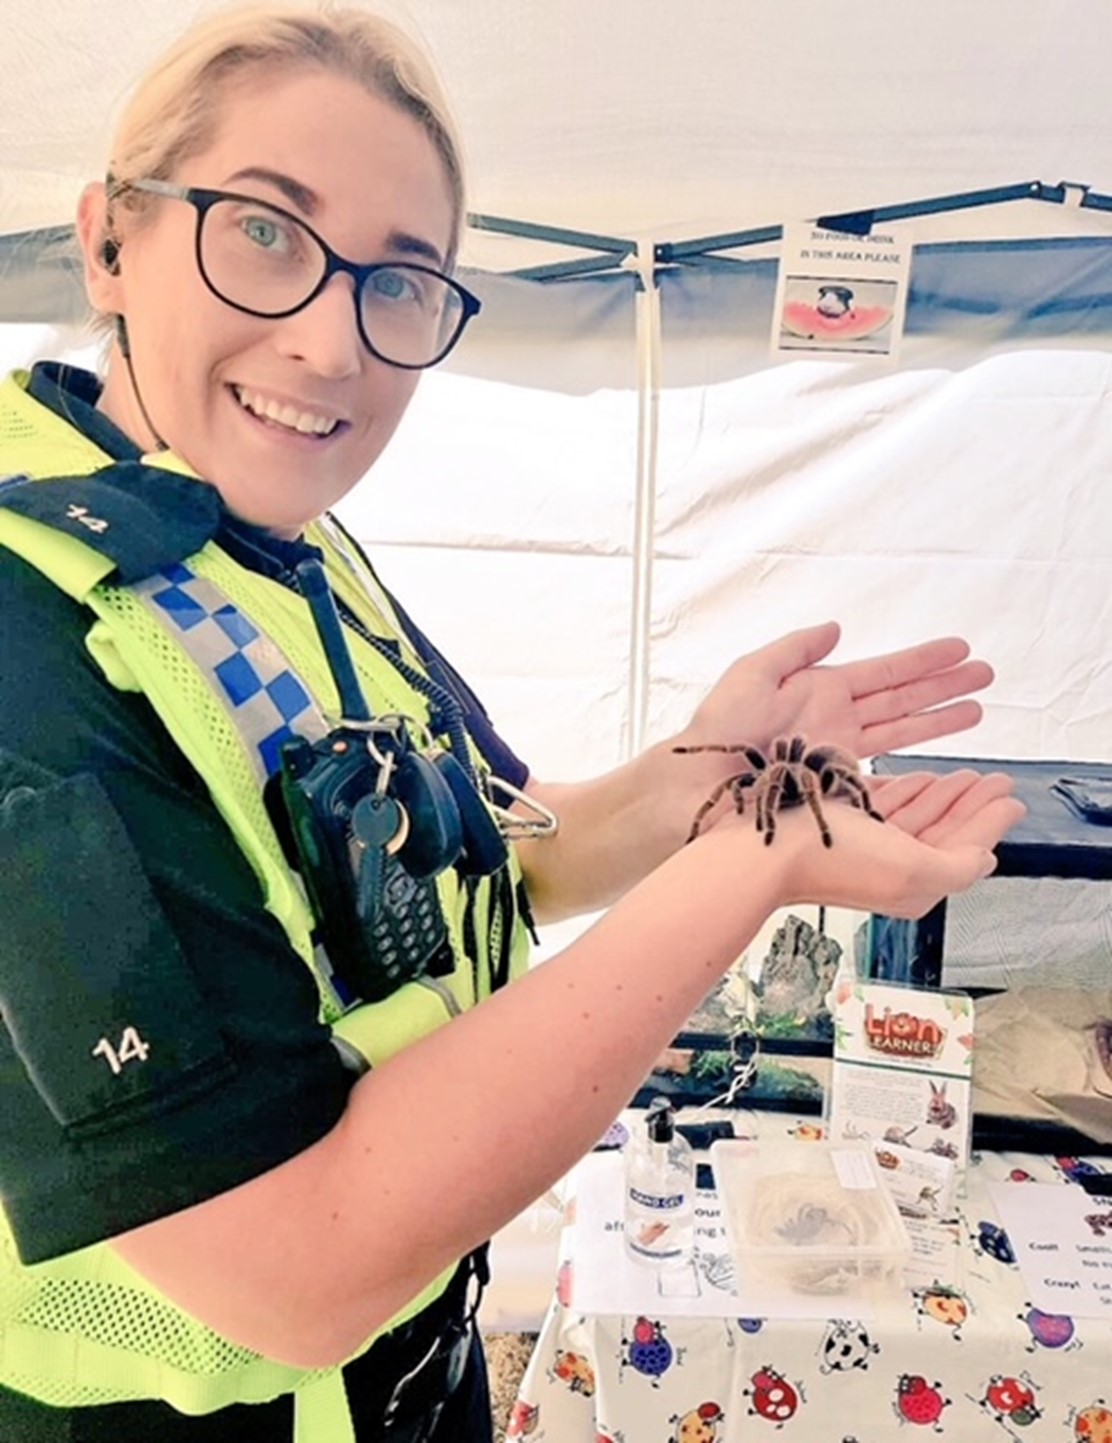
x=423 y=816
x=448 y=822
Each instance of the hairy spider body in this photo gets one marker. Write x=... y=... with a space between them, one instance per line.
x=792 y=775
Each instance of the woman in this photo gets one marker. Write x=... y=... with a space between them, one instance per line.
x=238 y=1189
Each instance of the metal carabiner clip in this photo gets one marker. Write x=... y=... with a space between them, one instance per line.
x=542 y=823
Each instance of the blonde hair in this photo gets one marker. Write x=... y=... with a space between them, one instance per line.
x=175 y=112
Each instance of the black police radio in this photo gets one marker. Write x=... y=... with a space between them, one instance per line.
x=370 y=821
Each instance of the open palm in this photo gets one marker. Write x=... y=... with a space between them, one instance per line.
x=876 y=705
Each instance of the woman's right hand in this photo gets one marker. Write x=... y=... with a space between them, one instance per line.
x=937 y=838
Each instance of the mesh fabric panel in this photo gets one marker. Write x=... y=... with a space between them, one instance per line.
x=52 y=1317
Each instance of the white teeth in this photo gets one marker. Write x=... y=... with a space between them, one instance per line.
x=307 y=423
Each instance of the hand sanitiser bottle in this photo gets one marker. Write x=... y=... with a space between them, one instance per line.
x=659 y=1191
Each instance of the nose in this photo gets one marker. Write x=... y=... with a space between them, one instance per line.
x=324 y=333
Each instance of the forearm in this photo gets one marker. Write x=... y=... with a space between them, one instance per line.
x=445 y=1143
x=614 y=829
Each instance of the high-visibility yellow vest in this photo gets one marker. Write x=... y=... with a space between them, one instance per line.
x=86 y=1328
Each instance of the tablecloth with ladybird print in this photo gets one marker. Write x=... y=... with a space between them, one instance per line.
x=975 y=1360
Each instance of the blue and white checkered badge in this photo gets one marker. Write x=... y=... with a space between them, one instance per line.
x=266 y=700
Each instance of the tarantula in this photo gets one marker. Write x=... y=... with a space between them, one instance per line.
x=792 y=775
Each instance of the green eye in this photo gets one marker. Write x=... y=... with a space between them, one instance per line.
x=392 y=286
x=263 y=231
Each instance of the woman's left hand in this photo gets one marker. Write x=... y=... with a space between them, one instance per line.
x=876 y=705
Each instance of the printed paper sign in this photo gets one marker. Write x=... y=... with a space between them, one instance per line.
x=902 y=1082
x=1062 y=1240
x=838 y=294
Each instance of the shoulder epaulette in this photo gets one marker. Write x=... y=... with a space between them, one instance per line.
x=140 y=517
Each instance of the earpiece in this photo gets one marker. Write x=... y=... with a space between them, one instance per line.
x=124 y=343
x=110 y=255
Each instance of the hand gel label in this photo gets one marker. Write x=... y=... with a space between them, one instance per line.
x=652 y=1200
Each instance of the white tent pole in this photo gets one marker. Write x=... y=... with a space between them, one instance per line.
x=647 y=311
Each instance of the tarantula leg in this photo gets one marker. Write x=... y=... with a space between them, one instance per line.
x=737 y=791
x=770 y=796
x=769 y=828
x=708 y=806
x=858 y=793
x=753 y=755
x=811 y=797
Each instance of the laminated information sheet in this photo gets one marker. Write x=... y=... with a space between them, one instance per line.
x=901 y=1081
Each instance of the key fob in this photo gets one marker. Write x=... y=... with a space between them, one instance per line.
x=379 y=825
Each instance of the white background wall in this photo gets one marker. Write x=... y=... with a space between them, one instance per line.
x=905 y=503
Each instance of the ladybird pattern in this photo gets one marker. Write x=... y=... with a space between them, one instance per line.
x=648 y=1351
x=699 y=1425
x=967 y=1355
x=772 y=1397
x=920 y=1402
x=1012 y=1401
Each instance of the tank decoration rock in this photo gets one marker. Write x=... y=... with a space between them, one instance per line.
x=795 y=977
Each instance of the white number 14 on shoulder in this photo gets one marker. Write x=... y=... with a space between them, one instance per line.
x=132 y=1048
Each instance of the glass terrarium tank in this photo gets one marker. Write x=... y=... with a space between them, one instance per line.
x=766 y=1027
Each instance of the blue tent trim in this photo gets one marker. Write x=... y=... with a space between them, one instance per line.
x=1033 y=288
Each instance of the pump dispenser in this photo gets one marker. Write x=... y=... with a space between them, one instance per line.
x=659 y=1191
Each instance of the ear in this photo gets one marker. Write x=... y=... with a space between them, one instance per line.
x=103 y=285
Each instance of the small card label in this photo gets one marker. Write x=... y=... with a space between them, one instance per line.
x=853 y=1169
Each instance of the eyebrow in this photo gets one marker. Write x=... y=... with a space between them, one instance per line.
x=306 y=200
x=308 y=203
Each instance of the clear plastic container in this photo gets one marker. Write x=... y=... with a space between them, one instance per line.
x=813 y=1217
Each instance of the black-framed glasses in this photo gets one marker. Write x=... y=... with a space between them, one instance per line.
x=261 y=259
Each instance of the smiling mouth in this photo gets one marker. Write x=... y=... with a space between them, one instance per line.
x=285 y=417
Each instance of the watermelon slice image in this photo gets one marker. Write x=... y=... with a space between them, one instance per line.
x=853 y=324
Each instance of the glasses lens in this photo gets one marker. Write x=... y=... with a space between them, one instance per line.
x=411 y=315
x=258 y=258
